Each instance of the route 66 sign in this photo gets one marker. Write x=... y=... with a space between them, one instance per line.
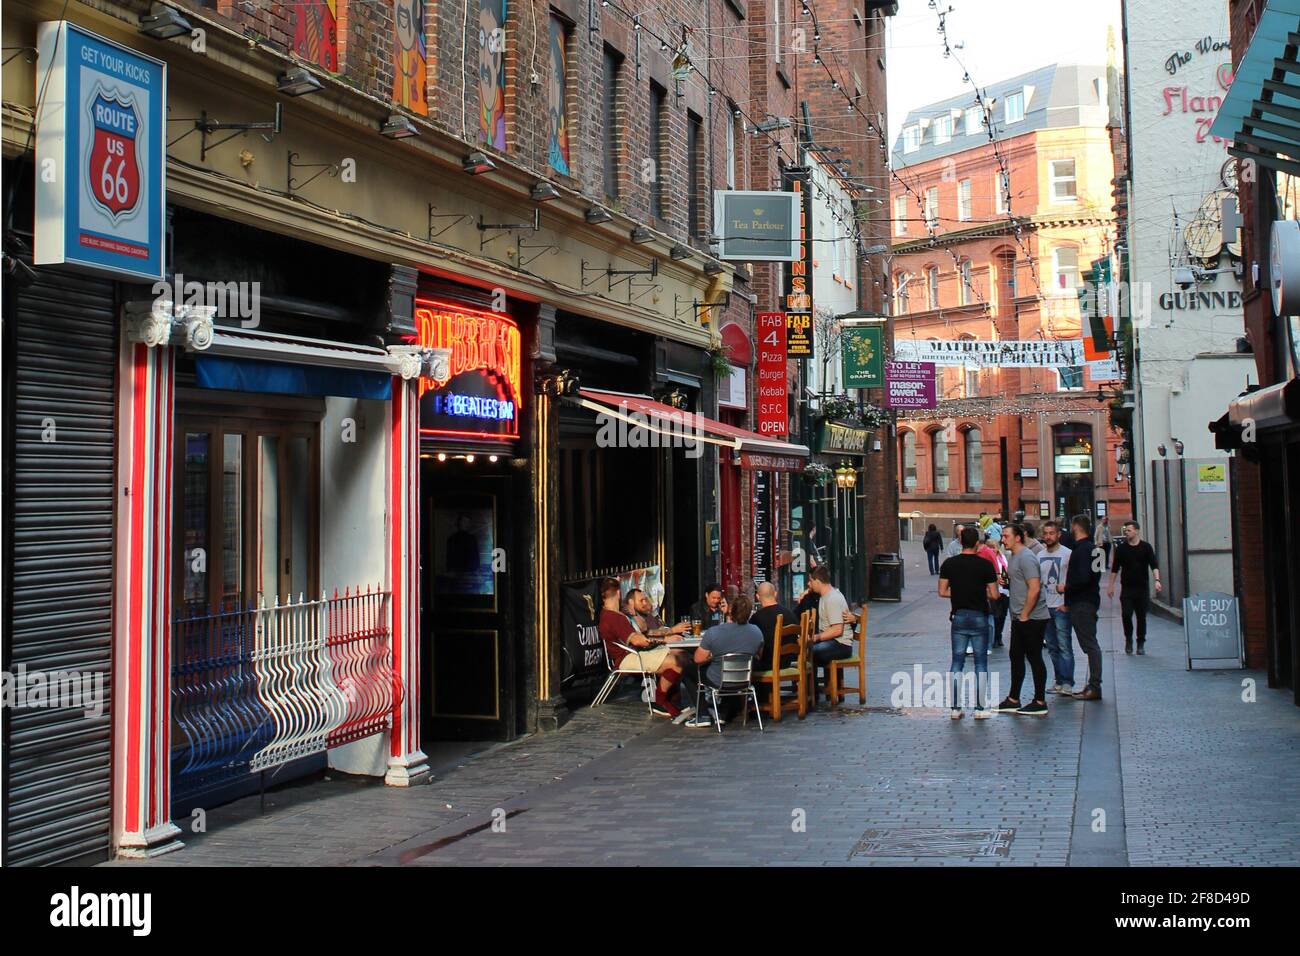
x=100 y=155
x=114 y=172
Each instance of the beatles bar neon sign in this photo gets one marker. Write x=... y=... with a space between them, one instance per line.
x=486 y=343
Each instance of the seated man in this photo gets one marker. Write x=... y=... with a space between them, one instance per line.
x=736 y=636
x=651 y=656
x=644 y=619
x=765 y=620
x=833 y=640
x=711 y=609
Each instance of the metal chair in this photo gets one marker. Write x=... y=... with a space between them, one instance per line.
x=735 y=682
x=649 y=679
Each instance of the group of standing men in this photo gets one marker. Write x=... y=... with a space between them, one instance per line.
x=1050 y=588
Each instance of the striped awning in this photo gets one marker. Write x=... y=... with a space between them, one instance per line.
x=1262 y=108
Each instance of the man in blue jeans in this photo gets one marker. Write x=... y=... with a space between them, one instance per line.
x=1052 y=562
x=970 y=583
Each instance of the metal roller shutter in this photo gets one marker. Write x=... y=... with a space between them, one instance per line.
x=58 y=778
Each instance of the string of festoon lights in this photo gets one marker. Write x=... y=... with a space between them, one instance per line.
x=991 y=407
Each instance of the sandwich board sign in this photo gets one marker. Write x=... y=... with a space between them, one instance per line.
x=1212 y=625
x=101 y=155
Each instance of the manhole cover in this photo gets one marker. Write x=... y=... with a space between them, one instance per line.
x=968 y=844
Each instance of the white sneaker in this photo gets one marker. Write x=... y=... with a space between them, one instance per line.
x=954 y=714
x=1065 y=690
x=983 y=714
x=697 y=722
x=684 y=716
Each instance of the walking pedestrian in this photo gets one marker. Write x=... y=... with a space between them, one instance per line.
x=933 y=544
x=1029 y=621
x=1133 y=559
x=954 y=546
x=969 y=582
x=991 y=551
x=1082 y=592
x=1060 y=649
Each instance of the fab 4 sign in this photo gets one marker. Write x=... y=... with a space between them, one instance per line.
x=101 y=159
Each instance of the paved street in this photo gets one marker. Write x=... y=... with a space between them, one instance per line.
x=1171 y=768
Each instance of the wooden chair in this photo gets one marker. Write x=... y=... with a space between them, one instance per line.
x=789 y=639
x=857 y=661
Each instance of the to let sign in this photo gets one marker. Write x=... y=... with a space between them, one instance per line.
x=101 y=160
x=909 y=385
x=770 y=389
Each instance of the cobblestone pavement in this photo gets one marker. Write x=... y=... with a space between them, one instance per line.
x=1171 y=768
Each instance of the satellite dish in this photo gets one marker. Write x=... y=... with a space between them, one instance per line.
x=1284 y=269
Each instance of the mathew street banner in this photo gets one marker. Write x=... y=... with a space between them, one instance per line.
x=1062 y=353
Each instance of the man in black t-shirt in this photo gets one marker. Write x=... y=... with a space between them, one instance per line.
x=1132 y=559
x=765 y=620
x=969 y=582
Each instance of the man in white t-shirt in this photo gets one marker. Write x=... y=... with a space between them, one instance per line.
x=1052 y=561
x=833 y=640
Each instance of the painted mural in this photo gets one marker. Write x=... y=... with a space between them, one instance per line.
x=558 y=119
x=492 y=73
x=315 y=32
x=410 y=60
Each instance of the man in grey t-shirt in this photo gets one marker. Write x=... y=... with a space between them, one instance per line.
x=1029 y=618
x=736 y=636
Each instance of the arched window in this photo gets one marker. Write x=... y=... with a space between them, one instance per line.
x=901 y=282
x=907 y=459
x=974 y=460
x=939 y=460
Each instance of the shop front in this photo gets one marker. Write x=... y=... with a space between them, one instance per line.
x=475 y=512
x=834 y=506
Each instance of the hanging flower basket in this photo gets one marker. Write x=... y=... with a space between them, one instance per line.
x=839 y=407
x=720 y=360
x=818 y=473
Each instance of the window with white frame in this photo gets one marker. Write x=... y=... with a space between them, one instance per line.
x=932 y=206
x=963 y=200
x=1070 y=378
x=1065 y=270
x=1002 y=192
x=731 y=145
x=907 y=459
x=974 y=460
x=972 y=120
x=938 y=460
x=1065 y=187
x=970 y=381
x=911 y=139
x=900 y=215
x=967 y=290
x=776 y=29
x=1013 y=108
x=901 y=293
x=942 y=129
x=932 y=287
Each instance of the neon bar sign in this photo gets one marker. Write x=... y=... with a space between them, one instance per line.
x=482 y=395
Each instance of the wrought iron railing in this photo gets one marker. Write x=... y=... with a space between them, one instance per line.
x=256 y=687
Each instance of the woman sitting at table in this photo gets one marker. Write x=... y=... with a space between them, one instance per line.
x=650 y=655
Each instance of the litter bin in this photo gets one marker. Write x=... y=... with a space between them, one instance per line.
x=887 y=577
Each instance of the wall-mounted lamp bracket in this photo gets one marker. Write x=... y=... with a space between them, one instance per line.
x=292 y=184
x=459 y=217
x=520 y=246
x=499 y=229
x=206 y=127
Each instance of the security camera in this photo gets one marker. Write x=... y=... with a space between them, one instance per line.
x=1185 y=278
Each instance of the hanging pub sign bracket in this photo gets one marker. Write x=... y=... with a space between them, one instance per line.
x=206 y=127
x=459 y=217
x=696 y=304
x=643 y=286
x=625 y=275
x=330 y=168
x=520 y=246
x=596 y=274
x=499 y=229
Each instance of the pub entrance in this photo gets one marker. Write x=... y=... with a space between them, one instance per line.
x=469 y=623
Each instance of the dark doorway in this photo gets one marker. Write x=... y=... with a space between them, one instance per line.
x=468 y=620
